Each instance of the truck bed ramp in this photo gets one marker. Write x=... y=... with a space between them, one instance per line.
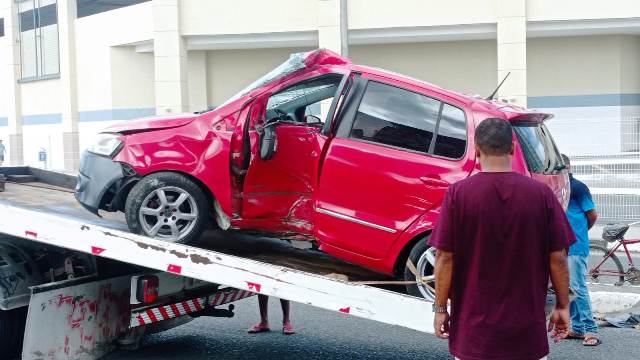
x=48 y=221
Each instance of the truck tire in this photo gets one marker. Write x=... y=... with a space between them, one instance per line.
x=419 y=257
x=169 y=207
x=12 y=323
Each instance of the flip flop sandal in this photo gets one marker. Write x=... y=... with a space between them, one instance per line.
x=288 y=329
x=575 y=336
x=596 y=343
x=259 y=328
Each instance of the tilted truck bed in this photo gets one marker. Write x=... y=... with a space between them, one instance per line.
x=49 y=214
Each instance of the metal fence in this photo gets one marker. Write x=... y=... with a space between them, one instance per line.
x=605 y=155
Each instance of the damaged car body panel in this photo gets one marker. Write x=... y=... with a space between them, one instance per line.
x=354 y=158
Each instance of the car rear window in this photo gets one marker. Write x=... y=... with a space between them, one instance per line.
x=539 y=150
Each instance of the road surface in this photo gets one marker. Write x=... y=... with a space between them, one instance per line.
x=329 y=335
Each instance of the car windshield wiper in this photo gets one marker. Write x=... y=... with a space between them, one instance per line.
x=205 y=110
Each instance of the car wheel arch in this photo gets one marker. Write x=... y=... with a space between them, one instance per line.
x=403 y=255
x=208 y=192
x=422 y=227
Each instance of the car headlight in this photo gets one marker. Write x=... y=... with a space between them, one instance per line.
x=106 y=145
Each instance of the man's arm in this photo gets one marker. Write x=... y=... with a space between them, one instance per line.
x=592 y=216
x=559 y=269
x=443 y=272
x=560 y=277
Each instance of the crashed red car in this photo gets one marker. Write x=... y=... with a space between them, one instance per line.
x=354 y=158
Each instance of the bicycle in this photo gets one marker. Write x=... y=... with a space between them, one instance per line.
x=613 y=268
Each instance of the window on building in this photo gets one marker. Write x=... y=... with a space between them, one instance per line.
x=91 y=7
x=39 y=38
x=1 y=27
x=396 y=117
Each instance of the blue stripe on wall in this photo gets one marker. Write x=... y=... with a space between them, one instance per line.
x=583 y=100
x=85 y=116
x=41 y=119
x=115 y=114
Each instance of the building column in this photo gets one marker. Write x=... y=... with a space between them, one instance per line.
x=332 y=26
x=67 y=12
x=12 y=53
x=512 y=50
x=170 y=58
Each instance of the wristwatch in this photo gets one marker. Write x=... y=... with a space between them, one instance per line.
x=438 y=309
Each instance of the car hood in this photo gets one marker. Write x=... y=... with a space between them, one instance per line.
x=152 y=123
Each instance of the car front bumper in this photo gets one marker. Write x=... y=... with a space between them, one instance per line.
x=97 y=175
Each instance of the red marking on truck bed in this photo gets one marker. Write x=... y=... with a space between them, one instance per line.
x=254 y=286
x=174 y=268
x=96 y=250
x=152 y=316
x=196 y=302
x=31 y=234
x=164 y=312
x=176 y=311
x=345 y=310
x=187 y=308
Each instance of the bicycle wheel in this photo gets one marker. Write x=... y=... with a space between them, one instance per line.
x=607 y=272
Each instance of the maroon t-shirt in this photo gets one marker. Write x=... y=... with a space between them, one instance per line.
x=501 y=228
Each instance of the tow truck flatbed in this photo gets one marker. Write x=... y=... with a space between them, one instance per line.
x=50 y=215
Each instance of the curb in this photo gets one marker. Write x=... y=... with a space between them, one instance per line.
x=605 y=302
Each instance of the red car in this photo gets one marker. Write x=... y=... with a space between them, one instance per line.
x=354 y=158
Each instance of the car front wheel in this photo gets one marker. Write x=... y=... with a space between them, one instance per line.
x=422 y=260
x=169 y=207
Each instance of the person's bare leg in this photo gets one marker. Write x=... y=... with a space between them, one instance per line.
x=263 y=305
x=287 y=328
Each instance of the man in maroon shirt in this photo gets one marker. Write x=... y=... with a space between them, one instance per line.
x=499 y=237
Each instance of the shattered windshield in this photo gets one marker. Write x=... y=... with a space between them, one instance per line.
x=294 y=63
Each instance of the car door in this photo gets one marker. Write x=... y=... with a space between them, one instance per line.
x=277 y=192
x=394 y=154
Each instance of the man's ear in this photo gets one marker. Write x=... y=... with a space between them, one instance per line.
x=513 y=146
x=478 y=153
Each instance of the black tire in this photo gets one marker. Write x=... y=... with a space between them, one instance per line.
x=149 y=185
x=12 y=323
x=416 y=252
x=597 y=252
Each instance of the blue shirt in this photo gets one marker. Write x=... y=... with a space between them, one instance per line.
x=579 y=204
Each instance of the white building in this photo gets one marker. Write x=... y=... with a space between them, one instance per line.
x=68 y=68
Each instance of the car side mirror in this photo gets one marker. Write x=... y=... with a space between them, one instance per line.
x=312 y=120
x=268 y=142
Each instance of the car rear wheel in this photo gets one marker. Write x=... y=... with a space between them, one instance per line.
x=12 y=323
x=169 y=207
x=422 y=256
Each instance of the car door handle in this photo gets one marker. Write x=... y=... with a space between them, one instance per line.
x=433 y=182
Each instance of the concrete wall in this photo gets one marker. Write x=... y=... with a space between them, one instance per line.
x=132 y=77
x=592 y=86
x=206 y=17
x=465 y=66
x=543 y=10
x=365 y=14
x=95 y=37
x=229 y=71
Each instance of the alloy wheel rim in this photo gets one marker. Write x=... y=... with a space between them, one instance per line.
x=425 y=266
x=168 y=213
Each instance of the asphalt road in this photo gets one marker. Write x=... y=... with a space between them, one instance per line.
x=329 y=335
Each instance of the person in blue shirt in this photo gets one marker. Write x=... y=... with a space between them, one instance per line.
x=582 y=216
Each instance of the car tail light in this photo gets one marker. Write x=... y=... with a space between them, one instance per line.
x=147 y=289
